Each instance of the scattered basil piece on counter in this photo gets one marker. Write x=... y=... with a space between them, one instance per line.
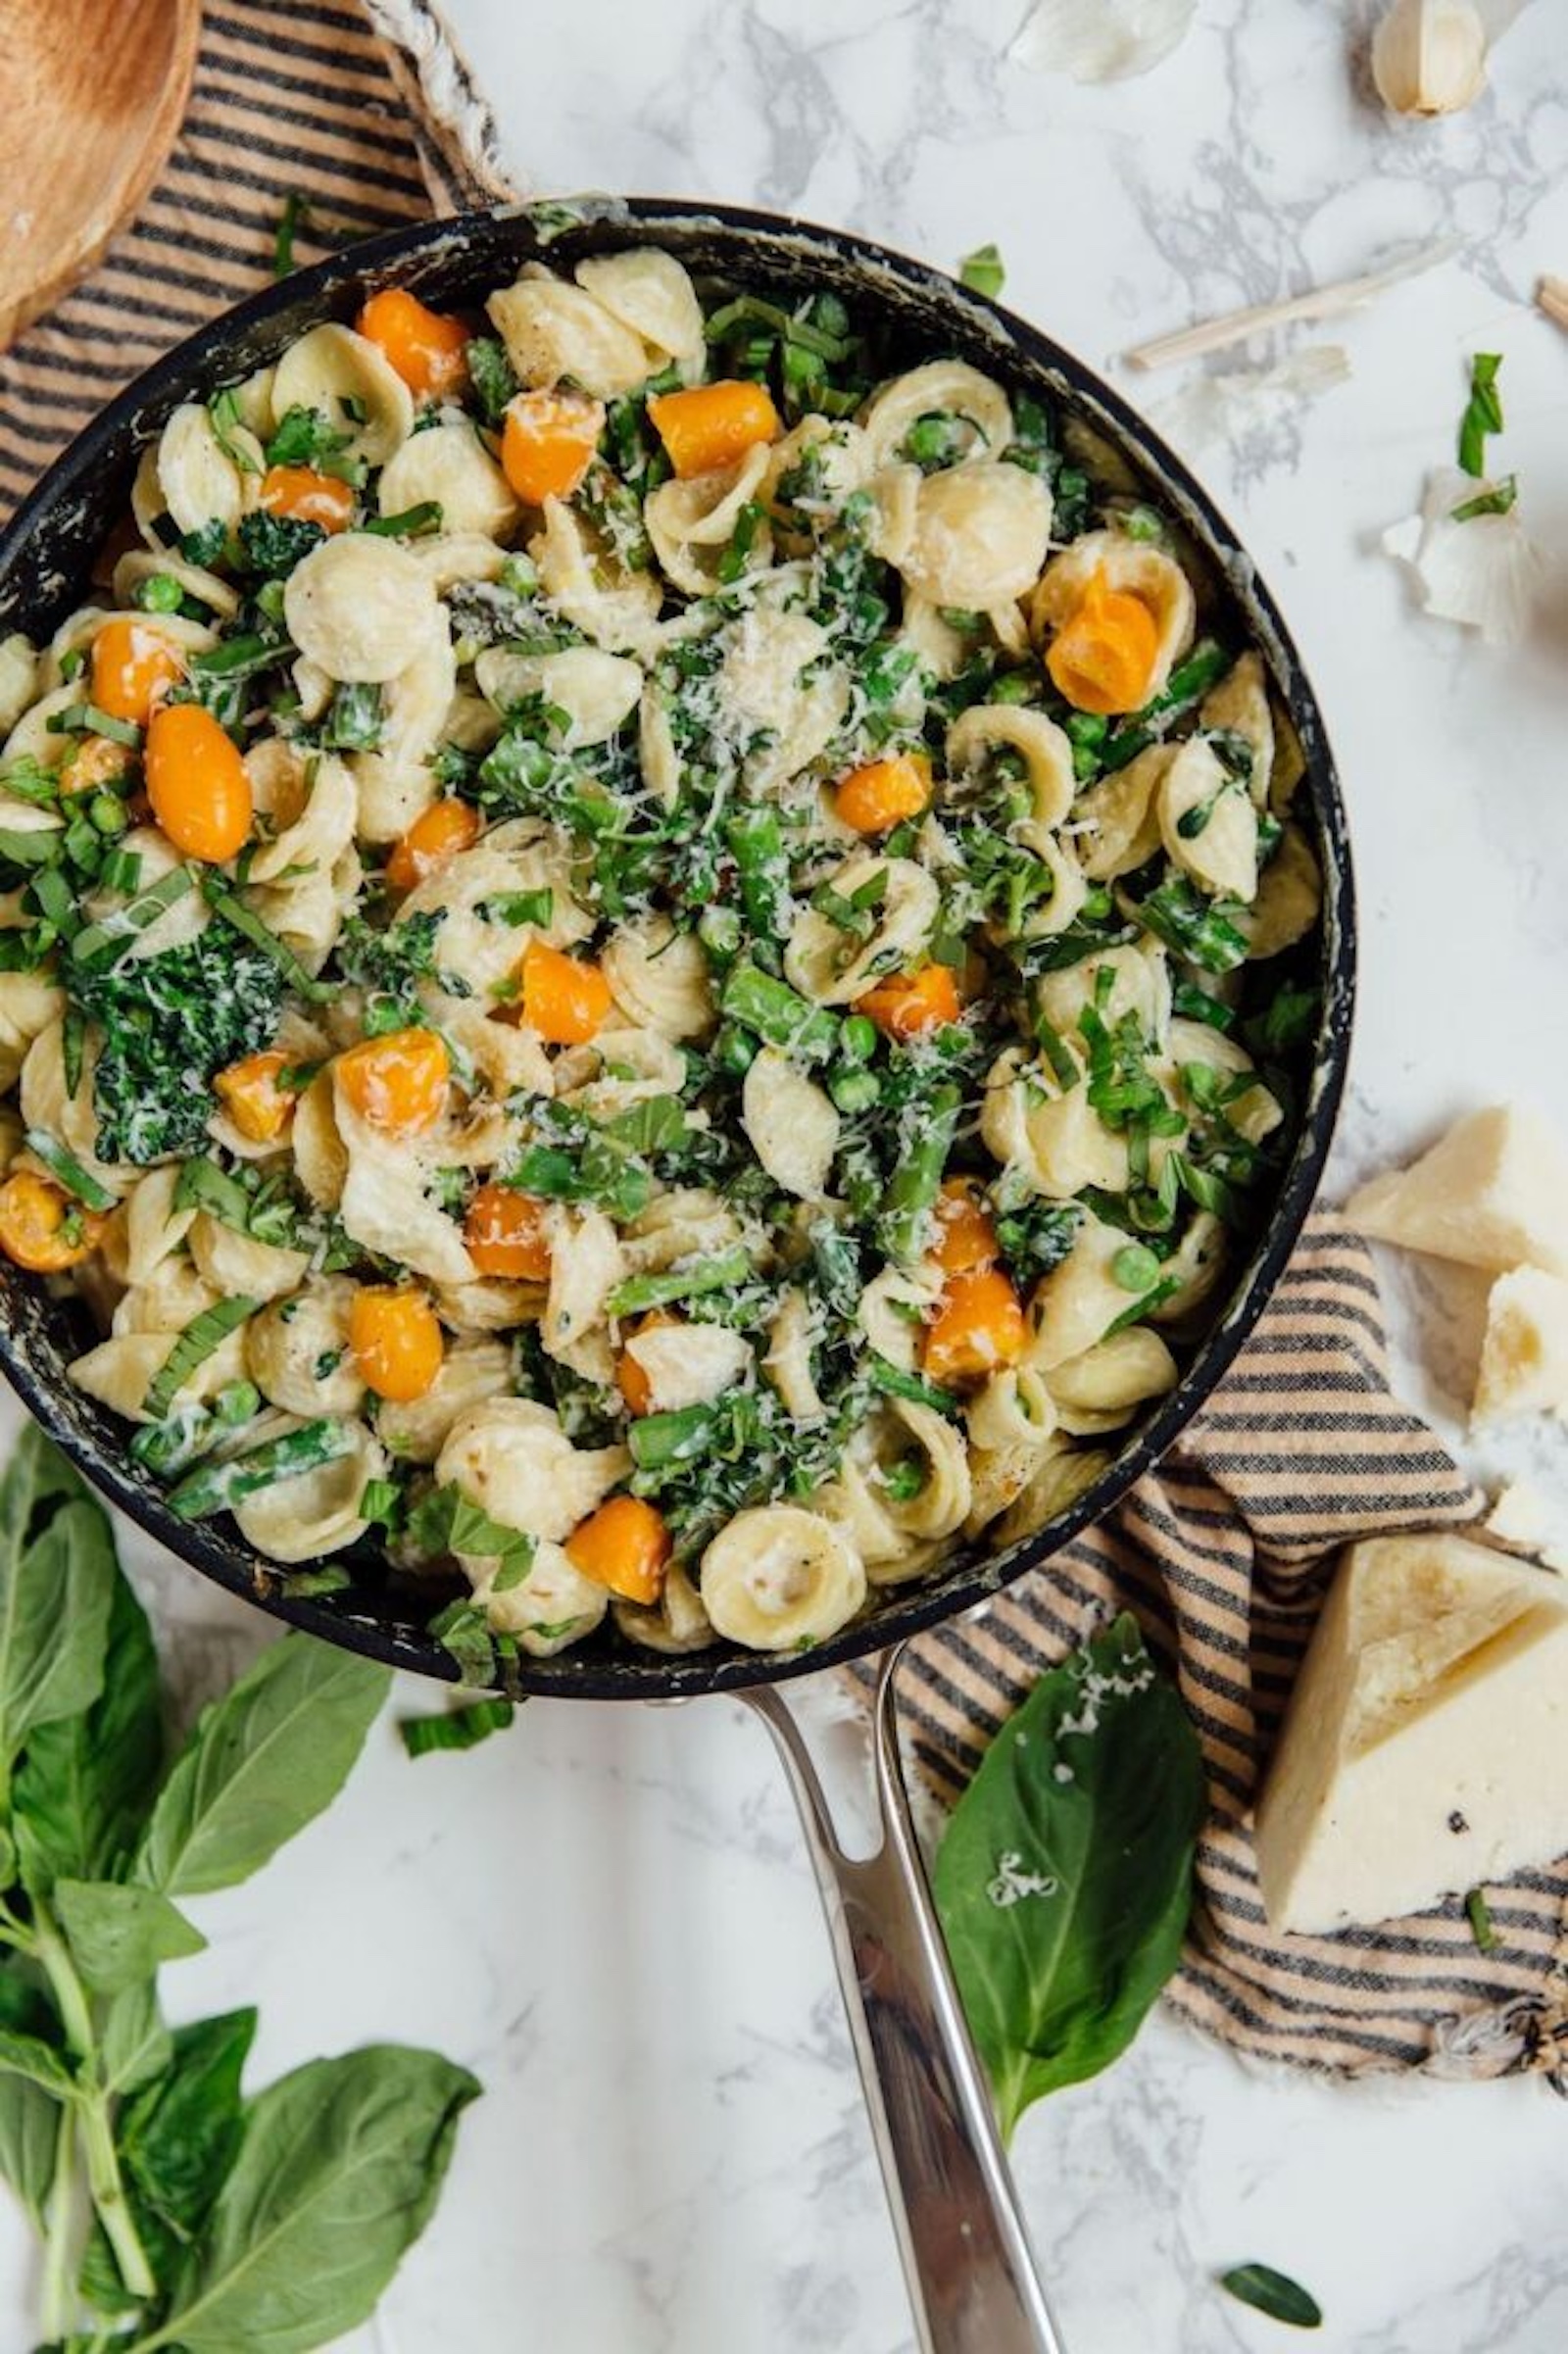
x=1483 y=414
x=1481 y=1929
x=456 y=1728
x=983 y=272
x=1064 y=1880
x=1274 y=2293
x=174 y=2211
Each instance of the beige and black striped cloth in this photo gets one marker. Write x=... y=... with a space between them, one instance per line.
x=367 y=114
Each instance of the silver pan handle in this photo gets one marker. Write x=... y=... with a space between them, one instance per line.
x=965 y=2255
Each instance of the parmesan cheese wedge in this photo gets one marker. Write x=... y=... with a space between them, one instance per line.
x=1491 y=1194
x=1524 y=1357
x=1422 y=1751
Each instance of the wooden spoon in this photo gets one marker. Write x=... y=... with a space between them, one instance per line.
x=91 y=96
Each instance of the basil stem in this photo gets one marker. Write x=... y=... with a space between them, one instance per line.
x=68 y=1171
x=203 y=1334
x=117 y=931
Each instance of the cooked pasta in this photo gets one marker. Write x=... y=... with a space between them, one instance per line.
x=647 y=985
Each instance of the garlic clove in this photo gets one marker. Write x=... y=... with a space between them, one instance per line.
x=1429 y=57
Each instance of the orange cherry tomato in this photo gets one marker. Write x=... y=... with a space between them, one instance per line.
x=563 y=998
x=966 y=1237
x=1104 y=657
x=196 y=782
x=133 y=666
x=41 y=1228
x=548 y=443
x=95 y=762
x=307 y=497
x=508 y=1235
x=428 y=349
x=250 y=1094
x=625 y=1545
x=711 y=425
x=630 y=1379
x=437 y=834
x=906 y=1004
x=978 y=1328
x=883 y=792
x=396 y=1338
x=397 y=1082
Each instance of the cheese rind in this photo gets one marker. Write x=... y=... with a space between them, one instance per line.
x=1490 y=1194
x=1524 y=1357
x=1423 y=1751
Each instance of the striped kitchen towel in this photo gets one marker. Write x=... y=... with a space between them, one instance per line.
x=366 y=117
x=1222 y=1553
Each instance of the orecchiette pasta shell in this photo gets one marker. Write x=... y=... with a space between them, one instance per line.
x=18 y=670
x=792 y=1124
x=553 y=330
x=778 y=1577
x=1257 y=1112
x=450 y=557
x=905 y=916
x=139 y=564
x=1139 y=984
x=177 y=925
x=1289 y=893
x=893 y=1307
x=1078 y=1301
x=585 y=1266
x=1047 y=1134
x=942 y=649
x=691 y=523
x=942 y=387
x=314 y=814
x=512 y=1458
x=1011 y=1408
x=352 y=382
x=316 y=1512
x=28 y=1003
x=200 y=483
x=297 y=1351
x=451 y=465
x=1046 y=754
x=1196 y=1266
x=237 y=1267
x=394 y=781
x=384 y=1206
x=147 y=1227
x=1059 y=1482
x=147 y=504
x=688 y=1223
x=688 y=1364
x=472 y=896
x=71 y=1119
x=660 y=978
x=360 y=607
x=1069 y=886
x=1131 y=568
x=320 y=1153
x=1001 y=1475
x=788 y=1362
x=678 y=1623
x=489 y=1305
x=1104 y=1385
x=856 y=1505
x=981 y=533
x=167 y=1300
x=632 y=1067
x=615 y=607
x=650 y=293
x=1222 y=856
x=941 y=1504
x=33 y=739
x=657 y=756
x=1116 y=822
x=554 y=1606
x=1240 y=704
x=597 y=691
x=760 y=680
x=473 y=1370
x=120 y=1370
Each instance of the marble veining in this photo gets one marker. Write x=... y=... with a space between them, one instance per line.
x=607 y=1914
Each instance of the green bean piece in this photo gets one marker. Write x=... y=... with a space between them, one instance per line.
x=916 y=1180
x=780 y=1014
x=640 y=1292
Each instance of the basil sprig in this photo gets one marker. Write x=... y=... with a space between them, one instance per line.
x=177 y=2210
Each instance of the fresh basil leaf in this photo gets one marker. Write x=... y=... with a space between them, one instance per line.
x=1064 y=1882
x=86 y=1786
x=134 y=2044
x=1274 y=2293
x=30 y=2138
x=338 y=2172
x=456 y=1728
x=120 y=1934
x=180 y=2137
x=57 y=1575
x=35 y=2063
x=262 y=1763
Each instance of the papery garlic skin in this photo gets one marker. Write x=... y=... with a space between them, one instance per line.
x=1480 y=570
x=1429 y=57
x=1100 y=40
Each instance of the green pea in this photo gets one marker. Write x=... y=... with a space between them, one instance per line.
x=159 y=593
x=1136 y=1268
x=858 y=1037
x=853 y=1091
x=734 y=1050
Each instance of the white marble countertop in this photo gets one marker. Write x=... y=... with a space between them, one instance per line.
x=607 y=1914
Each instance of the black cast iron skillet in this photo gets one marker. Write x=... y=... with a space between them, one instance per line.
x=959 y=2233
x=46 y=555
